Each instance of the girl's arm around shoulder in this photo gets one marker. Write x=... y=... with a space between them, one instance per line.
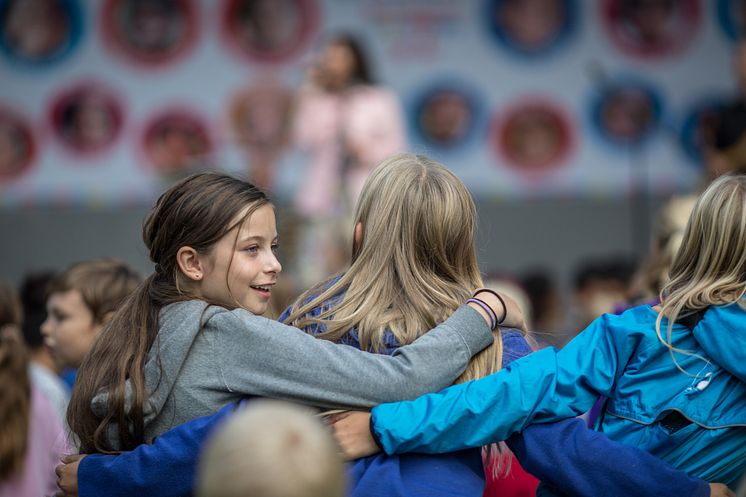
x=167 y=468
x=547 y=385
x=258 y=356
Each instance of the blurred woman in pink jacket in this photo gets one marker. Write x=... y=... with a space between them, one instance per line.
x=345 y=124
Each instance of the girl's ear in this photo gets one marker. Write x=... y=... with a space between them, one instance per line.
x=190 y=264
x=107 y=317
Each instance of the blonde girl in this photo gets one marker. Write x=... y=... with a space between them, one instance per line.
x=413 y=262
x=675 y=381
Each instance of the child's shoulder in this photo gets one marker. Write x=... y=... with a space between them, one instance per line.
x=724 y=320
x=515 y=345
x=634 y=319
x=208 y=315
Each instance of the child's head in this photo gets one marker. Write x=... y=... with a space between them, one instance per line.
x=271 y=449
x=33 y=293
x=416 y=213
x=213 y=237
x=80 y=301
x=710 y=265
x=667 y=236
x=601 y=286
x=413 y=260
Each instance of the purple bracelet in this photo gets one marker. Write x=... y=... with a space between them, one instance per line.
x=499 y=297
x=487 y=309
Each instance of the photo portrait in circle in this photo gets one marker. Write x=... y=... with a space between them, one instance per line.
x=87 y=118
x=651 y=28
x=177 y=142
x=531 y=28
x=446 y=114
x=260 y=119
x=39 y=32
x=17 y=146
x=697 y=131
x=269 y=30
x=731 y=16
x=533 y=136
x=626 y=113
x=149 y=32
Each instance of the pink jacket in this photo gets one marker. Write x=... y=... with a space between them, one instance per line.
x=48 y=442
x=364 y=124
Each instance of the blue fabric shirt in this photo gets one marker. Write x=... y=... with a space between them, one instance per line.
x=564 y=455
x=622 y=358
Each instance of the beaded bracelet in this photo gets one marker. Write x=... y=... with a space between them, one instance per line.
x=505 y=307
x=487 y=309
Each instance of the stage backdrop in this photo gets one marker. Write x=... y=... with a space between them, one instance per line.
x=104 y=102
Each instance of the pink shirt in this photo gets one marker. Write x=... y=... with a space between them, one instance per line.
x=364 y=124
x=47 y=443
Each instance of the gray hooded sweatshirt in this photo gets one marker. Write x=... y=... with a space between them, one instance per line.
x=194 y=370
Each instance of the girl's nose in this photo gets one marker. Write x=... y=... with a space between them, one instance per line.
x=46 y=327
x=274 y=265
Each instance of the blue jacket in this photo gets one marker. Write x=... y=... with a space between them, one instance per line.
x=622 y=358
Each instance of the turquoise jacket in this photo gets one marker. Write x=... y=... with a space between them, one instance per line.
x=622 y=358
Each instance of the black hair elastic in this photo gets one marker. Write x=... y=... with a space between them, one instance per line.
x=505 y=307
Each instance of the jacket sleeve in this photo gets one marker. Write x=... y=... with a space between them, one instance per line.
x=545 y=386
x=257 y=356
x=565 y=456
x=722 y=335
x=167 y=468
x=581 y=462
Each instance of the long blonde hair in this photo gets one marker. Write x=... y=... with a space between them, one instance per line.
x=710 y=265
x=416 y=262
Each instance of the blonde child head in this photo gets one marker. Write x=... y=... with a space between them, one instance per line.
x=710 y=265
x=413 y=260
x=271 y=449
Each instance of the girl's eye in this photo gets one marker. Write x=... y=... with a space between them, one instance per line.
x=275 y=247
x=252 y=249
